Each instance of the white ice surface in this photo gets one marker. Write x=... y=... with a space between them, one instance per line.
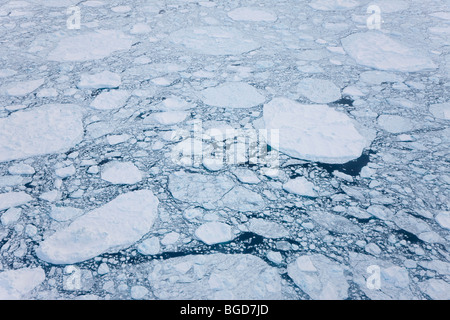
x=39 y=131
x=16 y=284
x=254 y=14
x=232 y=95
x=377 y=50
x=101 y=80
x=13 y=199
x=121 y=173
x=300 y=186
x=109 y=228
x=214 y=40
x=214 y=232
x=90 y=46
x=319 y=90
x=313 y=132
x=110 y=100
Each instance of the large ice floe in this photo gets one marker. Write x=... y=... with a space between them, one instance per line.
x=39 y=131
x=314 y=132
x=114 y=226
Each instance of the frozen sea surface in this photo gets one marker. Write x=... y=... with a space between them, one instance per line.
x=224 y=150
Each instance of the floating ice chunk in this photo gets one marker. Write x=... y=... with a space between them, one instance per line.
x=381 y=212
x=13 y=199
x=6 y=181
x=16 y=284
x=50 y=195
x=394 y=280
x=416 y=226
x=110 y=228
x=65 y=171
x=90 y=46
x=373 y=249
x=246 y=176
x=110 y=100
x=174 y=104
x=102 y=80
x=377 y=77
x=377 y=50
x=232 y=95
x=55 y=3
x=251 y=14
x=394 y=123
x=103 y=269
x=149 y=246
x=443 y=218
x=121 y=173
x=65 y=213
x=205 y=190
x=313 y=132
x=243 y=199
x=335 y=223
x=436 y=289
x=214 y=40
x=275 y=257
x=300 y=186
x=319 y=277
x=11 y=216
x=214 y=232
x=267 y=229
x=331 y=5
x=44 y=130
x=166 y=118
x=215 y=276
x=21 y=88
x=441 y=110
x=319 y=90
x=118 y=138
x=170 y=238
x=138 y=292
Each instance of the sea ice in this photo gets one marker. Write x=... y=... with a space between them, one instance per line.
x=101 y=80
x=111 y=227
x=22 y=88
x=90 y=46
x=377 y=50
x=251 y=14
x=214 y=40
x=300 y=186
x=319 y=90
x=54 y=129
x=441 y=110
x=13 y=199
x=16 y=284
x=214 y=232
x=110 y=100
x=313 y=132
x=267 y=229
x=320 y=277
x=215 y=276
x=121 y=173
x=232 y=95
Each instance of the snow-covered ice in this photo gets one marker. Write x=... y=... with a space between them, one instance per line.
x=214 y=232
x=121 y=173
x=314 y=132
x=16 y=284
x=111 y=227
x=54 y=129
x=232 y=95
x=377 y=50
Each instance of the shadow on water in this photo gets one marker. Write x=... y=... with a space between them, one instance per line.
x=352 y=168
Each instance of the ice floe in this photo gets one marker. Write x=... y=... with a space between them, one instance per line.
x=90 y=46
x=232 y=95
x=313 y=132
x=121 y=173
x=214 y=232
x=16 y=284
x=111 y=227
x=215 y=276
x=377 y=50
x=56 y=128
